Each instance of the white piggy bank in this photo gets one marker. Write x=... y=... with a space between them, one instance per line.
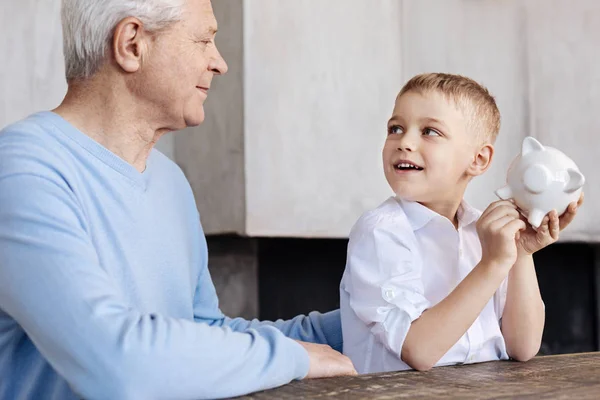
x=541 y=179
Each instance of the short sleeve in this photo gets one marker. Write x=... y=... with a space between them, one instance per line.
x=383 y=279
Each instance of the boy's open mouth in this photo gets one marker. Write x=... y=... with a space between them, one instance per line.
x=407 y=166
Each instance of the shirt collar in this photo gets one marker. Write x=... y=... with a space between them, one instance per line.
x=418 y=215
x=467 y=214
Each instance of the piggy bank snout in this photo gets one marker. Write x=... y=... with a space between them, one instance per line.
x=537 y=178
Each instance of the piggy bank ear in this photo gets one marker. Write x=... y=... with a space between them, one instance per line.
x=530 y=145
x=504 y=193
x=576 y=180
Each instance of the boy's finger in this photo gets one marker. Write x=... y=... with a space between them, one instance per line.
x=567 y=217
x=580 y=201
x=513 y=227
x=544 y=227
x=499 y=223
x=554 y=225
x=501 y=211
x=497 y=204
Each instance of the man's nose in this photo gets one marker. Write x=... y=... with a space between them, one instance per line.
x=217 y=64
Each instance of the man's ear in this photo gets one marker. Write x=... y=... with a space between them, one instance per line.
x=481 y=160
x=129 y=44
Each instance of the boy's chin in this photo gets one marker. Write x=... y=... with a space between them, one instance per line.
x=405 y=196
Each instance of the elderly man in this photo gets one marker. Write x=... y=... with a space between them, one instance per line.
x=104 y=286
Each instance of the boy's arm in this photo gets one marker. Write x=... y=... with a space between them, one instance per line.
x=385 y=289
x=523 y=318
x=440 y=327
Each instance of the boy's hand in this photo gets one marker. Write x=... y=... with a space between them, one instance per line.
x=531 y=241
x=499 y=228
x=326 y=362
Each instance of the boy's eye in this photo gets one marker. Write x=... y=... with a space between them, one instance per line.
x=430 y=132
x=395 y=130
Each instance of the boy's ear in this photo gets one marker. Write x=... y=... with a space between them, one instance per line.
x=482 y=160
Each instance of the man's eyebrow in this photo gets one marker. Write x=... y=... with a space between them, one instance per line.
x=212 y=30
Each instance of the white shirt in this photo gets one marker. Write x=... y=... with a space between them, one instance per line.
x=404 y=258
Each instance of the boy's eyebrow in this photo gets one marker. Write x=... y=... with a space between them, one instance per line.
x=398 y=119
x=394 y=119
x=435 y=121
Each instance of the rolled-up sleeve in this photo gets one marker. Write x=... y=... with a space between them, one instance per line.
x=383 y=280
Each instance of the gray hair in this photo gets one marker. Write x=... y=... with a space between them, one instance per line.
x=88 y=28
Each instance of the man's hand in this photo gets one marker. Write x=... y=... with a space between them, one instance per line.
x=531 y=241
x=499 y=228
x=326 y=362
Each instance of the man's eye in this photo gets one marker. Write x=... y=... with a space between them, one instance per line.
x=431 y=132
x=395 y=130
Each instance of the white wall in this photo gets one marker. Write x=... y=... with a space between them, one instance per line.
x=31 y=69
x=320 y=80
x=292 y=142
x=564 y=92
x=32 y=66
x=320 y=83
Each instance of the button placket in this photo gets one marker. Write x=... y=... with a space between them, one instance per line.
x=388 y=294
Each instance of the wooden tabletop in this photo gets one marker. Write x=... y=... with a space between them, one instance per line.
x=572 y=376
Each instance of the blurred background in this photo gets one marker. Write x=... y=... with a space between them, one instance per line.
x=289 y=156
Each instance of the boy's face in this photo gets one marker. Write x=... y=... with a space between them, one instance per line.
x=428 y=150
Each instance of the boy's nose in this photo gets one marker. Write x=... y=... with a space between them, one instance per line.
x=408 y=140
x=406 y=144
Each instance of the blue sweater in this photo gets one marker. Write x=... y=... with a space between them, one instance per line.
x=104 y=287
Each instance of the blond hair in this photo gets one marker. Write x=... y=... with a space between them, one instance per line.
x=473 y=99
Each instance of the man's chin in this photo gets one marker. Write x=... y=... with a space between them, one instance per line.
x=194 y=119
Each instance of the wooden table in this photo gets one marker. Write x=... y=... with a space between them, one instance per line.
x=573 y=376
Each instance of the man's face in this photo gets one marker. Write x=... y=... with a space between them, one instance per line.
x=181 y=62
x=428 y=148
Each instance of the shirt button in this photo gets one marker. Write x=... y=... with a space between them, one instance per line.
x=460 y=252
x=389 y=294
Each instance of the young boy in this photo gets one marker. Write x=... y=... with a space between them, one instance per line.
x=429 y=280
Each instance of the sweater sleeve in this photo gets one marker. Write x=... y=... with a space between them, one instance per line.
x=314 y=327
x=53 y=285
x=322 y=328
